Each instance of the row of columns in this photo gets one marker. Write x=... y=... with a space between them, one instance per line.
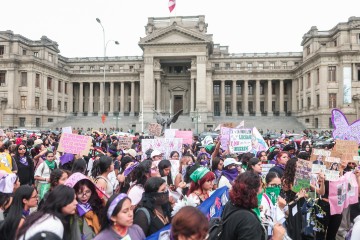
x=245 y=98
x=102 y=98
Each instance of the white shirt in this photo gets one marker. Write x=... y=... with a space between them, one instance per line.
x=355 y=235
x=44 y=171
x=224 y=182
x=47 y=223
x=135 y=194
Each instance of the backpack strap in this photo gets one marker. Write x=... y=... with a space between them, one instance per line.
x=146 y=213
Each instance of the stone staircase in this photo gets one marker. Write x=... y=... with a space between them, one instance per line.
x=184 y=122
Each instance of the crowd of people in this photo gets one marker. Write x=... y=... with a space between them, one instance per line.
x=115 y=193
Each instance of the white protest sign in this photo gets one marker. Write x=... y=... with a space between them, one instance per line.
x=317 y=168
x=322 y=152
x=331 y=175
x=67 y=130
x=240 y=140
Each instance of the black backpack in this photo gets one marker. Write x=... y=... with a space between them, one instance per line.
x=216 y=226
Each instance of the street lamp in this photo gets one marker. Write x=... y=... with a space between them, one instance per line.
x=105 y=46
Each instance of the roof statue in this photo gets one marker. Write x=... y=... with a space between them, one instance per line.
x=165 y=122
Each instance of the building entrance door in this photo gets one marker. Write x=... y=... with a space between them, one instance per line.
x=178 y=103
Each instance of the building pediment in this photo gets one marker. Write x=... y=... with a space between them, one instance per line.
x=178 y=89
x=175 y=34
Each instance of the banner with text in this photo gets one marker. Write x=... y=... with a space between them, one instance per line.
x=76 y=144
x=240 y=140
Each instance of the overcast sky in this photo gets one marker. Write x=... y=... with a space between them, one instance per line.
x=244 y=26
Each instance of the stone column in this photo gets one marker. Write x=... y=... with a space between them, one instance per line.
x=234 y=100
x=149 y=88
x=132 y=110
x=63 y=97
x=56 y=93
x=222 y=99
x=269 y=98
x=158 y=95
x=293 y=97
x=122 y=98
x=257 y=98
x=201 y=90
x=102 y=98
x=111 y=100
x=70 y=97
x=281 y=98
x=192 y=91
x=246 y=98
x=91 y=99
x=81 y=99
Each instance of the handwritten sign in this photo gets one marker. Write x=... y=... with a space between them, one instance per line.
x=347 y=148
x=342 y=129
x=154 y=129
x=224 y=137
x=185 y=135
x=76 y=144
x=170 y=133
x=164 y=145
x=302 y=175
x=125 y=142
x=240 y=140
x=66 y=130
x=332 y=175
x=318 y=154
x=228 y=125
x=329 y=162
x=317 y=168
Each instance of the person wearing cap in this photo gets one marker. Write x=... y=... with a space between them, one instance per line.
x=117 y=222
x=131 y=153
x=202 y=182
x=229 y=172
x=156 y=155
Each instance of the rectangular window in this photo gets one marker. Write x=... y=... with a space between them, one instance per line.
x=66 y=86
x=318 y=76
x=50 y=57
x=217 y=108
x=49 y=104
x=227 y=89
x=250 y=89
x=59 y=86
x=22 y=122
x=217 y=66
x=239 y=107
x=36 y=54
x=238 y=66
x=317 y=100
x=302 y=103
x=23 y=102
x=262 y=106
x=23 y=79
x=335 y=43
x=2 y=78
x=261 y=66
x=216 y=89
x=330 y=123
x=358 y=73
x=273 y=106
x=65 y=106
x=238 y=89
x=308 y=80
x=272 y=66
x=92 y=68
x=2 y=50
x=273 y=85
x=37 y=103
x=227 y=66
x=24 y=52
x=81 y=68
x=228 y=108
x=49 y=83
x=284 y=65
x=308 y=103
x=332 y=74
x=262 y=89
x=50 y=120
x=308 y=50
x=332 y=100
x=249 y=66
x=59 y=106
x=37 y=122
x=37 y=80
x=301 y=83
x=111 y=68
x=251 y=106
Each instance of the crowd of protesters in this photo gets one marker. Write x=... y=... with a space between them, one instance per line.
x=115 y=193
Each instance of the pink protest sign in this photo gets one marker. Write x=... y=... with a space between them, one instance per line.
x=342 y=129
x=342 y=193
x=224 y=137
x=185 y=135
x=73 y=143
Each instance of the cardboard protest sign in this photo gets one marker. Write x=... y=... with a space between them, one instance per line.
x=125 y=142
x=347 y=148
x=164 y=145
x=186 y=136
x=76 y=144
x=319 y=154
x=342 y=193
x=302 y=175
x=258 y=142
x=266 y=168
x=342 y=129
x=228 y=125
x=170 y=133
x=240 y=140
x=224 y=137
x=155 y=129
x=332 y=163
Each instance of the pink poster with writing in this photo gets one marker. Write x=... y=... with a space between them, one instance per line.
x=224 y=137
x=185 y=135
x=342 y=193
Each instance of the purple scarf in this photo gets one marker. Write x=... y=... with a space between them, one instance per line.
x=83 y=208
x=217 y=173
x=282 y=166
x=23 y=161
x=230 y=174
x=25 y=213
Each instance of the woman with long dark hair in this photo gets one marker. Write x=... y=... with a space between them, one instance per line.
x=24 y=198
x=255 y=165
x=100 y=172
x=153 y=212
x=117 y=222
x=165 y=171
x=54 y=216
x=25 y=165
x=89 y=205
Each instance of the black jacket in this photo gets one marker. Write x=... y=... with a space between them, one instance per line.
x=25 y=173
x=242 y=224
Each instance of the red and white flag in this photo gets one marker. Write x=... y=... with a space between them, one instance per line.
x=172 y=4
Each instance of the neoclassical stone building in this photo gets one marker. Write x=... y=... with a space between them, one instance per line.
x=181 y=68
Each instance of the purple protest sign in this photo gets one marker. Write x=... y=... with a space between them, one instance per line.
x=342 y=129
x=224 y=137
x=185 y=135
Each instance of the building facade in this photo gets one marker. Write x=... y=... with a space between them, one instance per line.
x=181 y=68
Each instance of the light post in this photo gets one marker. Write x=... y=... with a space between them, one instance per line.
x=105 y=46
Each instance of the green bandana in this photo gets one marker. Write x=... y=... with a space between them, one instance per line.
x=51 y=164
x=273 y=193
x=199 y=174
